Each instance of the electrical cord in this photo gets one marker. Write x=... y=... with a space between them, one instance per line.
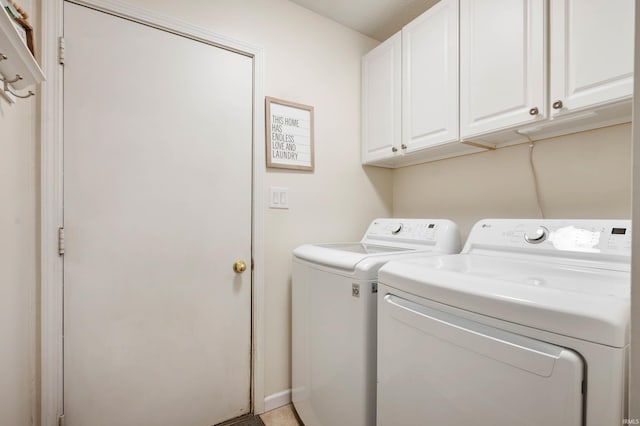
x=534 y=174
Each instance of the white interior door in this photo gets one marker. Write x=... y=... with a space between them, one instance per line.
x=157 y=207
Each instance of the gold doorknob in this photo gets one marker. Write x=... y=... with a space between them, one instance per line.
x=240 y=266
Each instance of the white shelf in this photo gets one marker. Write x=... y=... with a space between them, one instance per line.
x=19 y=60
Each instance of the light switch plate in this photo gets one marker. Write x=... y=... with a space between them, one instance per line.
x=278 y=197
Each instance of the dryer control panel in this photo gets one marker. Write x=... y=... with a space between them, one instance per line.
x=571 y=237
x=414 y=232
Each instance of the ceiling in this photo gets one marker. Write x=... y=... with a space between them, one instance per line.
x=377 y=19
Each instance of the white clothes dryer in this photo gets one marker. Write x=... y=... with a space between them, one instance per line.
x=334 y=316
x=527 y=326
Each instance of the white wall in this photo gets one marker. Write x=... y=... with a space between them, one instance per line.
x=314 y=61
x=583 y=175
x=19 y=261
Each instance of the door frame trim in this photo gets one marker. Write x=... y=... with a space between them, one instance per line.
x=51 y=197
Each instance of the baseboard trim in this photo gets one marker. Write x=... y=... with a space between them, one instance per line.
x=277 y=400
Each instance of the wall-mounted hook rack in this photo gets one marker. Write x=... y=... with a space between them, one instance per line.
x=6 y=83
x=18 y=67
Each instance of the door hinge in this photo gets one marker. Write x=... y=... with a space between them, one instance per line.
x=61 y=50
x=61 y=420
x=60 y=241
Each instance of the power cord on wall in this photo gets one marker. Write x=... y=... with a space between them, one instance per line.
x=534 y=175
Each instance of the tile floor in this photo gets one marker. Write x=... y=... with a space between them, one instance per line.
x=283 y=416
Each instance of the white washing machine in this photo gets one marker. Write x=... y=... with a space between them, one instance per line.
x=527 y=326
x=334 y=317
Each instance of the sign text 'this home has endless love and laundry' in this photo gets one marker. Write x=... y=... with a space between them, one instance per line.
x=283 y=142
x=290 y=136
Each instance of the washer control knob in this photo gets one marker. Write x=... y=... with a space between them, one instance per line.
x=396 y=229
x=537 y=235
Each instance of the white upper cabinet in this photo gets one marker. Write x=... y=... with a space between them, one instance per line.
x=430 y=78
x=410 y=93
x=591 y=53
x=505 y=79
x=520 y=70
x=502 y=64
x=381 y=92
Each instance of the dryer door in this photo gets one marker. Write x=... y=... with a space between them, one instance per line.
x=439 y=369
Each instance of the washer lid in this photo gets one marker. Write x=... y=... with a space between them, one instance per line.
x=578 y=301
x=344 y=255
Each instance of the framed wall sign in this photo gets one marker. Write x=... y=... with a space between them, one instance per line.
x=289 y=135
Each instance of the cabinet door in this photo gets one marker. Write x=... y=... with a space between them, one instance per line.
x=502 y=64
x=381 y=79
x=430 y=78
x=591 y=53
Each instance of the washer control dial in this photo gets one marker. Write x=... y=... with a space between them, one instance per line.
x=536 y=235
x=395 y=229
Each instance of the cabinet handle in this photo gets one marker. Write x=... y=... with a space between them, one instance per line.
x=403 y=146
x=394 y=149
x=557 y=105
x=533 y=111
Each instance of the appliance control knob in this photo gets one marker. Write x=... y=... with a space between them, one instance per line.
x=537 y=235
x=396 y=229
